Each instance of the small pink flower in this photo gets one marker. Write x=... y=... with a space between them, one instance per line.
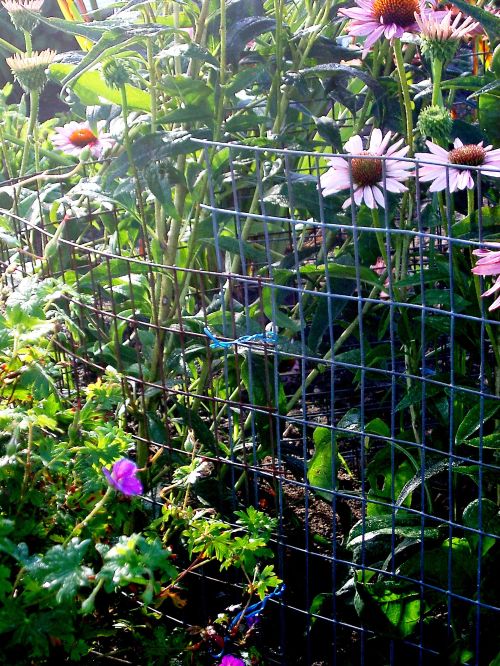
x=368 y=178
x=74 y=137
x=229 y=660
x=457 y=175
x=123 y=477
x=383 y=18
x=489 y=264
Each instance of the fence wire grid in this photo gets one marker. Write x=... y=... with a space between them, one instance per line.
x=335 y=368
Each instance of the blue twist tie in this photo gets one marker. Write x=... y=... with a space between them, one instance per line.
x=266 y=338
x=251 y=611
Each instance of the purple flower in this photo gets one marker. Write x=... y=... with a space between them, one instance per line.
x=123 y=477
x=229 y=660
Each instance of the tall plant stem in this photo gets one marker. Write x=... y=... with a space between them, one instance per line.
x=80 y=526
x=400 y=65
x=31 y=133
x=222 y=70
x=437 y=74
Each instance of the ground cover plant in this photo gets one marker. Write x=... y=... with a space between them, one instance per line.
x=254 y=264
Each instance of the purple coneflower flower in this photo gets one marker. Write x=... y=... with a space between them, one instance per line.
x=454 y=171
x=489 y=264
x=387 y=18
x=123 y=477
x=368 y=176
x=74 y=137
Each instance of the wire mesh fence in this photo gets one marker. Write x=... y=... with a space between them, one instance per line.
x=333 y=366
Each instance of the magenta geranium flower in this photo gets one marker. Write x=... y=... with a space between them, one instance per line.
x=452 y=165
x=383 y=18
x=74 y=137
x=229 y=660
x=123 y=477
x=368 y=174
x=489 y=264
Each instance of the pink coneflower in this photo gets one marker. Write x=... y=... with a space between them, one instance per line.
x=74 y=137
x=457 y=175
x=489 y=264
x=368 y=178
x=388 y=18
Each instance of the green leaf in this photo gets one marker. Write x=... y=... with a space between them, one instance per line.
x=192 y=419
x=392 y=607
x=489 y=116
x=329 y=131
x=338 y=70
x=243 y=31
x=61 y=569
x=154 y=147
x=92 y=89
x=190 y=91
x=373 y=527
x=322 y=468
x=482 y=515
x=469 y=226
x=472 y=420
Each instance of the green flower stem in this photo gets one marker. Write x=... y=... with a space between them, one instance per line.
x=437 y=73
x=31 y=133
x=8 y=46
x=398 y=53
x=380 y=240
x=471 y=206
x=81 y=525
x=28 y=42
x=27 y=465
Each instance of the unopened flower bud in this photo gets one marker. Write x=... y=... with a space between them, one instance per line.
x=435 y=122
x=115 y=73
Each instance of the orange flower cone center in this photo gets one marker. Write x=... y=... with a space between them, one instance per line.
x=470 y=154
x=82 y=137
x=400 y=12
x=366 y=172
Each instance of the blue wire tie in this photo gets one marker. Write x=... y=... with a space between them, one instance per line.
x=251 y=611
x=266 y=338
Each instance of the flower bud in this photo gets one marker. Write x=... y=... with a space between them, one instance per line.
x=115 y=73
x=435 y=122
x=30 y=70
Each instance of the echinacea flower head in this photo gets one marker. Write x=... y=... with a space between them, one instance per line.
x=374 y=19
x=30 y=70
x=489 y=264
x=21 y=13
x=229 y=660
x=366 y=170
x=440 y=35
x=123 y=477
x=75 y=137
x=450 y=168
